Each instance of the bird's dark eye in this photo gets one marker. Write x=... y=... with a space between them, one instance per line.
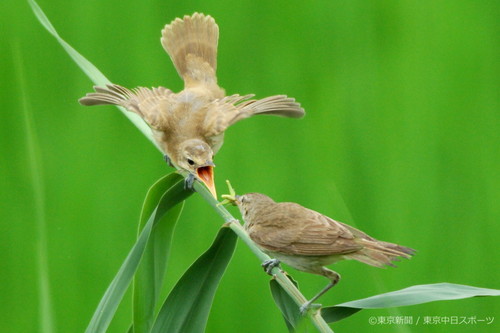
x=191 y=162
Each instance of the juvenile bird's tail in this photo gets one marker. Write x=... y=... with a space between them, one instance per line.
x=377 y=253
x=191 y=43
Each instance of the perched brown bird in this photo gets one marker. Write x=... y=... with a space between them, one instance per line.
x=189 y=126
x=307 y=240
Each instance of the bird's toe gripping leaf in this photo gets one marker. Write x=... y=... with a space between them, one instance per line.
x=168 y=160
x=189 y=182
x=230 y=198
x=309 y=306
x=268 y=265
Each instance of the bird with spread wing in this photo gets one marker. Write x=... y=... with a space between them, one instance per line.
x=189 y=126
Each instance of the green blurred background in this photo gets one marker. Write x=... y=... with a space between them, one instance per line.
x=401 y=139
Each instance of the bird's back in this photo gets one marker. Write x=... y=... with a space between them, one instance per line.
x=291 y=229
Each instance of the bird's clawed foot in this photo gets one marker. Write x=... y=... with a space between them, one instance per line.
x=189 y=182
x=168 y=160
x=334 y=279
x=270 y=264
x=228 y=223
x=308 y=306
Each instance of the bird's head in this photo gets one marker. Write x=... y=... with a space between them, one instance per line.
x=196 y=156
x=252 y=203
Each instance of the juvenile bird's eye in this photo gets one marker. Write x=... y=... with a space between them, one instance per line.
x=190 y=161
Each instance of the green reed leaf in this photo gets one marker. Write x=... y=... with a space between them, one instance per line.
x=188 y=304
x=149 y=277
x=106 y=309
x=414 y=295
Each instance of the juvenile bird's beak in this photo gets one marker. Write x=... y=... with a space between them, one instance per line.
x=237 y=199
x=206 y=175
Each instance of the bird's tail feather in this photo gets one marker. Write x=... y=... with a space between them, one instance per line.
x=379 y=254
x=189 y=40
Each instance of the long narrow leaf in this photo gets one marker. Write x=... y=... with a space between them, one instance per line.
x=286 y=304
x=155 y=192
x=188 y=304
x=409 y=296
x=45 y=308
x=114 y=294
x=89 y=69
x=149 y=277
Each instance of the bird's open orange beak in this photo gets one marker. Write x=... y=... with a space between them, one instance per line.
x=206 y=175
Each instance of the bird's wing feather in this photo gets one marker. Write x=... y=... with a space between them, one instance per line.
x=307 y=233
x=153 y=105
x=220 y=112
x=224 y=112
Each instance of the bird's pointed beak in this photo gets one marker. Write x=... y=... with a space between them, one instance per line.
x=206 y=175
x=237 y=199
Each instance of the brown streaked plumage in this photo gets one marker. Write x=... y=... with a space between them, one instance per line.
x=307 y=240
x=189 y=126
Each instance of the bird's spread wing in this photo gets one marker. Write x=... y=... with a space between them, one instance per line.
x=153 y=105
x=220 y=113
x=308 y=233
x=224 y=112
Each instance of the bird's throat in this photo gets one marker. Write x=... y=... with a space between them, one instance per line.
x=206 y=175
